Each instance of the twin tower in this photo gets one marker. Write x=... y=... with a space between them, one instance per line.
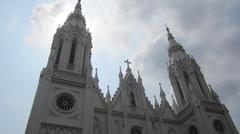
x=69 y=101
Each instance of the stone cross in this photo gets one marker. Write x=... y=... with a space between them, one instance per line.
x=128 y=62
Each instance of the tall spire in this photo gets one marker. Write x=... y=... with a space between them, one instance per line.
x=78 y=8
x=162 y=94
x=172 y=41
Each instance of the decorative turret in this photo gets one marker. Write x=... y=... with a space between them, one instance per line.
x=108 y=96
x=96 y=77
x=162 y=94
x=156 y=102
x=120 y=75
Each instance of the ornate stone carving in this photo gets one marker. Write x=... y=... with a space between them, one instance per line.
x=47 y=128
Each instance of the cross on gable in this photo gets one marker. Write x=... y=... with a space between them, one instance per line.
x=128 y=62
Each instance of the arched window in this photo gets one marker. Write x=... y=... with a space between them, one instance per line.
x=59 y=51
x=186 y=78
x=136 y=130
x=218 y=126
x=132 y=99
x=73 y=50
x=192 y=130
x=179 y=89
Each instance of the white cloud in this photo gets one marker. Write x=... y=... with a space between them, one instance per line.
x=45 y=20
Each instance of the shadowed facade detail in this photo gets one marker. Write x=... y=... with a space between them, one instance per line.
x=69 y=100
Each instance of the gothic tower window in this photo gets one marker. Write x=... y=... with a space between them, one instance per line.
x=132 y=99
x=59 y=51
x=218 y=126
x=179 y=89
x=192 y=130
x=73 y=50
x=186 y=78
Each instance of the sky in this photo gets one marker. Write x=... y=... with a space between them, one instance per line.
x=121 y=29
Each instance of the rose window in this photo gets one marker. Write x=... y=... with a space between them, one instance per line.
x=65 y=102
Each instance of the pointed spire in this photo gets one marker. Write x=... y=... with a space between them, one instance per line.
x=96 y=75
x=120 y=74
x=139 y=77
x=156 y=102
x=175 y=106
x=108 y=96
x=214 y=94
x=162 y=94
x=171 y=39
x=78 y=8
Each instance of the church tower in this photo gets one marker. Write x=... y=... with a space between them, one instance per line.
x=192 y=92
x=62 y=104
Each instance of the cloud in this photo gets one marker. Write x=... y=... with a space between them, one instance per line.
x=207 y=29
x=45 y=20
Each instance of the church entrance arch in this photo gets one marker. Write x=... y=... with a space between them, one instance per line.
x=136 y=130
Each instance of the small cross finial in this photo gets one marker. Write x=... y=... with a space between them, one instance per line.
x=128 y=62
x=168 y=30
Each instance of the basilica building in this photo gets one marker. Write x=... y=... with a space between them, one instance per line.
x=69 y=101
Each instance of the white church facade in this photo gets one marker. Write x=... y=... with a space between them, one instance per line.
x=69 y=101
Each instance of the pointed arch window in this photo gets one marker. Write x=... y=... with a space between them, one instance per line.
x=179 y=89
x=132 y=99
x=73 y=50
x=59 y=51
x=186 y=78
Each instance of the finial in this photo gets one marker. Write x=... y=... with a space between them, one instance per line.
x=96 y=74
x=128 y=62
x=167 y=29
x=162 y=94
x=108 y=94
x=156 y=103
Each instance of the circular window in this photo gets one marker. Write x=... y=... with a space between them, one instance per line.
x=65 y=102
x=218 y=126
